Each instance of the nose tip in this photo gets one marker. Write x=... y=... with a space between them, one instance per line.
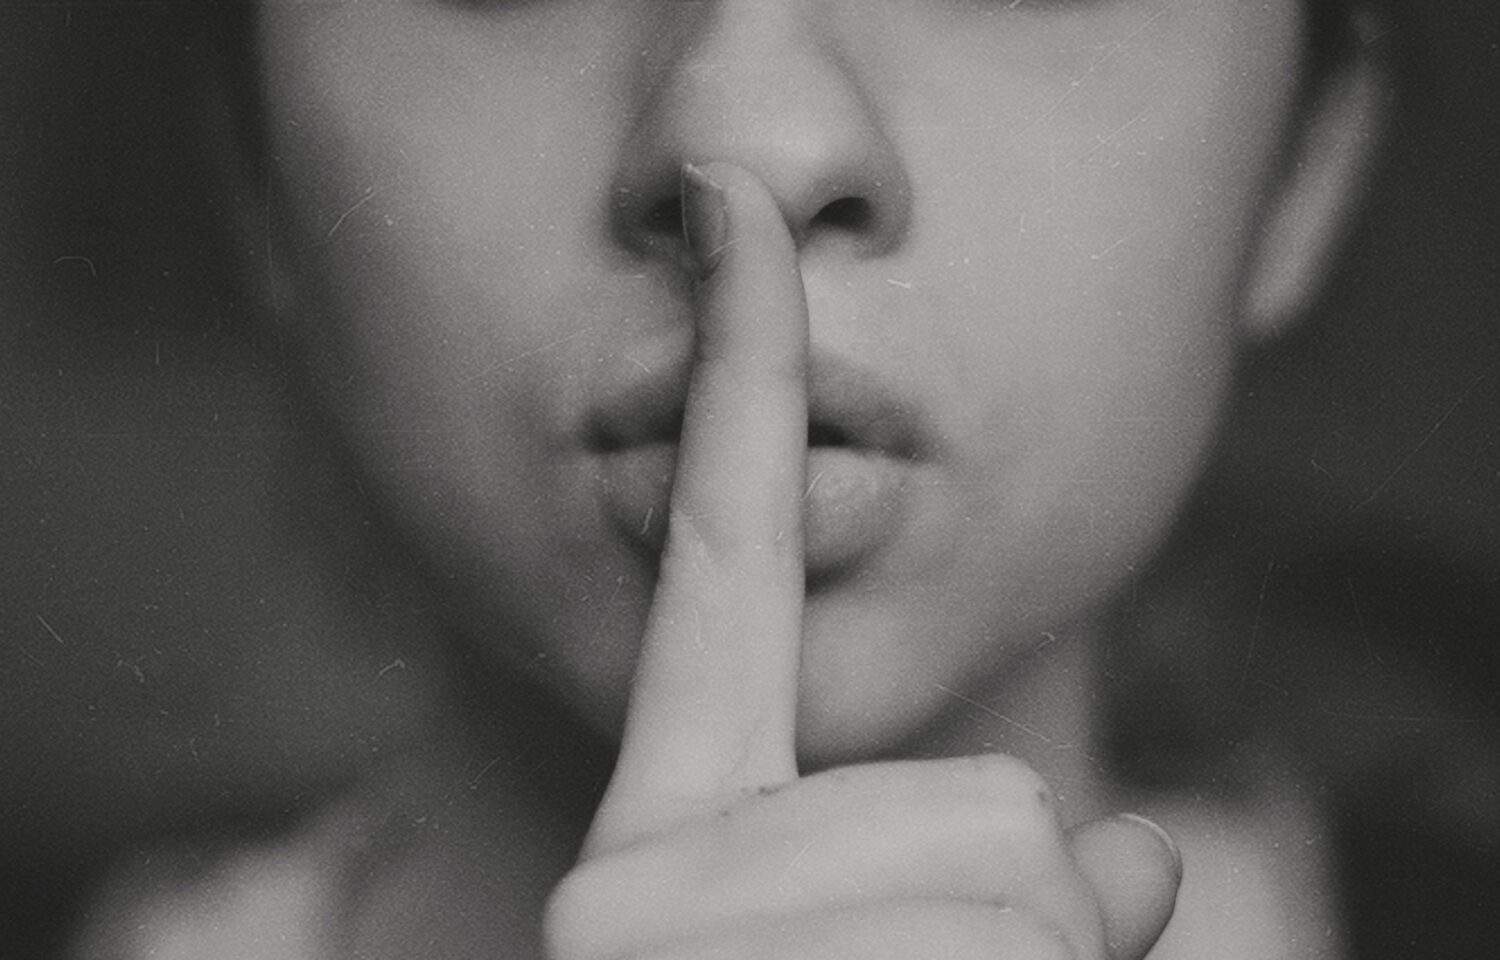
x=769 y=97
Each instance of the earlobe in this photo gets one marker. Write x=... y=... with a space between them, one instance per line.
x=1317 y=187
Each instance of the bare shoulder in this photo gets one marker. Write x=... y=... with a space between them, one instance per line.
x=262 y=903
x=413 y=862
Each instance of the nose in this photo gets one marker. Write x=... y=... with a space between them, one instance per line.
x=762 y=84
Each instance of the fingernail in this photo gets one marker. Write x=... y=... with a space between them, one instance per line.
x=1161 y=834
x=705 y=218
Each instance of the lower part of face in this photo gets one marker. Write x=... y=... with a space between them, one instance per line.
x=1064 y=192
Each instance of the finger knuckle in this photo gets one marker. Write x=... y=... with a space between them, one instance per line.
x=1010 y=812
x=1014 y=785
x=1008 y=777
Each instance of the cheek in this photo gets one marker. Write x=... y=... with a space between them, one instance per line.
x=1092 y=333
x=445 y=181
x=451 y=308
x=429 y=179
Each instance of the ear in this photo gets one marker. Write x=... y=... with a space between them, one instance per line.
x=1318 y=183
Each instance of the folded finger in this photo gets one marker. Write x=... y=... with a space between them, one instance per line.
x=978 y=829
x=902 y=930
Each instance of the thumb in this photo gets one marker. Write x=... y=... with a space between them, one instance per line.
x=1134 y=868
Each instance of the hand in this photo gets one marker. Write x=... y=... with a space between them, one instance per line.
x=707 y=843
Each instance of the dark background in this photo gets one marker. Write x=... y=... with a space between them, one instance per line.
x=191 y=628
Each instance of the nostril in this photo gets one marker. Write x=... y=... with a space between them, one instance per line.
x=853 y=214
x=653 y=227
x=826 y=435
x=664 y=218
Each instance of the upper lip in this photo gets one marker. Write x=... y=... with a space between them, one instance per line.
x=848 y=406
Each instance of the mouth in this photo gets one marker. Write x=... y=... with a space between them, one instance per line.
x=864 y=447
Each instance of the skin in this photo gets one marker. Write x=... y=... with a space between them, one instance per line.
x=1064 y=198
x=689 y=851
x=1059 y=205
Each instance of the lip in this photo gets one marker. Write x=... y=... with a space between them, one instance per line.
x=865 y=444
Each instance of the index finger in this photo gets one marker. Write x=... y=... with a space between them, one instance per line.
x=713 y=706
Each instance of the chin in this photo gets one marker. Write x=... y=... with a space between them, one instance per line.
x=867 y=688
x=845 y=729
x=876 y=676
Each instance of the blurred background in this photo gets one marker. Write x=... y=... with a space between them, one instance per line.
x=193 y=631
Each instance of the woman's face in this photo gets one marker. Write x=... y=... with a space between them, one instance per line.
x=1022 y=227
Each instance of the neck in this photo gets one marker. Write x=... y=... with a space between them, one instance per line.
x=510 y=787
x=1043 y=710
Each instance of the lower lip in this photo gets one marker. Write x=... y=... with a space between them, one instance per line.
x=854 y=505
